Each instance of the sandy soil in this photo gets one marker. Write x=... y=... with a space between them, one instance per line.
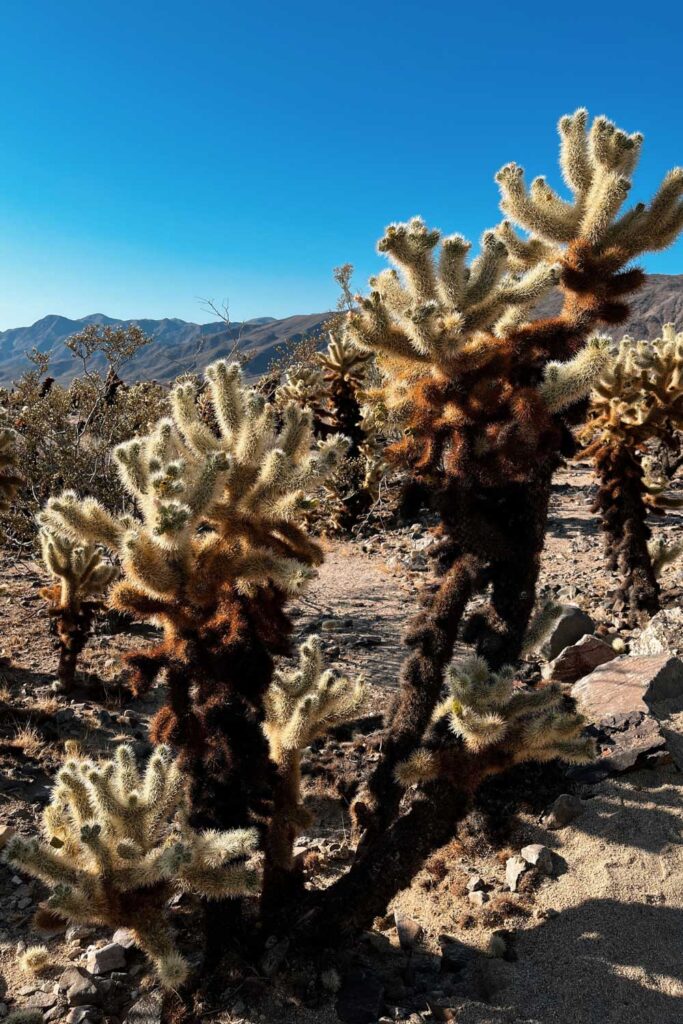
x=599 y=943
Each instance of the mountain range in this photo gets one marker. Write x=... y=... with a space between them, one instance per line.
x=179 y=346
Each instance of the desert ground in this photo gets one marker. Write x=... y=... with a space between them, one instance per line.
x=598 y=940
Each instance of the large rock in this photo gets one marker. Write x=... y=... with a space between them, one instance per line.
x=111 y=957
x=569 y=628
x=662 y=635
x=636 y=705
x=579 y=660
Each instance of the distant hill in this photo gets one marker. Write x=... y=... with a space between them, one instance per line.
x=180 y=346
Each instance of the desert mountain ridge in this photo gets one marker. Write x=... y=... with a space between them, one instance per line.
x=180 y=346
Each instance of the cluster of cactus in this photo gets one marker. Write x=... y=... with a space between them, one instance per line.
x=117 y=846
x=216 y=549
x=334 y=388
x=486 y=401
x=82 y=576
x=637 y=401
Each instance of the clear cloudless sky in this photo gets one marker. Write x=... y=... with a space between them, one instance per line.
x=152 y=153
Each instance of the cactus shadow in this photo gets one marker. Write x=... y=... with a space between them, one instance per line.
x=603 y=961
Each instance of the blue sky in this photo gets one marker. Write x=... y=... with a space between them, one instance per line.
x=154 y=153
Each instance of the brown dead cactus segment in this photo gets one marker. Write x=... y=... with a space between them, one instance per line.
x=212 y=557
x=637 y=401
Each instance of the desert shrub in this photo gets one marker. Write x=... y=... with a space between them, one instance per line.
x=66 y=432
x=638 y=401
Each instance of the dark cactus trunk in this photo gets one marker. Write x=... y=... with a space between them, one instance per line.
x=620 y=503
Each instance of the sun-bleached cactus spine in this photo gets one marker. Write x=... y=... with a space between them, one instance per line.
x=218 y=546
x=81 y=576
x=638 y=400
x=301 y=705
x=117 y=846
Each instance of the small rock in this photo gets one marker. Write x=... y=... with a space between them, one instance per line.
x=124 y=937
x=514 y=869
x=111 y=957
x=565 y=809
x=84 y=1015
x=76 y=932
x=409 y=932
x=579 y=660
x=475 y=883
x=478 y=898
x=539 y=857
x=570 y=627
x=80 y=987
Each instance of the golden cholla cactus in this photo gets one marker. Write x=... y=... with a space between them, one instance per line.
x=343 y=360
x=301 y=705
x=486 y=709
x=82 y=576
x=217 y=547
x=304 y=385
x=116 y=847
x=639 y=399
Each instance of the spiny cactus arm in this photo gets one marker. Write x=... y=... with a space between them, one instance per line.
x=598 y=165
x=84 y=520
x=42 y=861
x=663 y=554
x=564 y=384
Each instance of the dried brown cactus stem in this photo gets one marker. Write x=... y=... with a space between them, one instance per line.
x=431 y=637
x=621 y=505
x=73 y=626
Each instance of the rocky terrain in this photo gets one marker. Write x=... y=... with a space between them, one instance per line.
x=559 y=901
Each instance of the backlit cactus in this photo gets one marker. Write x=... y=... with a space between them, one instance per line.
x=301 y=705
x=216 y=549
x=117 y=846
x=81 y=577
x=638 y=400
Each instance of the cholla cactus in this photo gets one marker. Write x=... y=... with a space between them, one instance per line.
x=638 y=400
x=301 y=705
x=486 y=709
x=217 y=548
x=487 y=398
x=338 y=402
x=116 y=847
x=81 y=578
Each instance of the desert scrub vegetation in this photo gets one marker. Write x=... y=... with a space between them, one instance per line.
x=210 y=529
x=66 y=433
x=638 y=401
